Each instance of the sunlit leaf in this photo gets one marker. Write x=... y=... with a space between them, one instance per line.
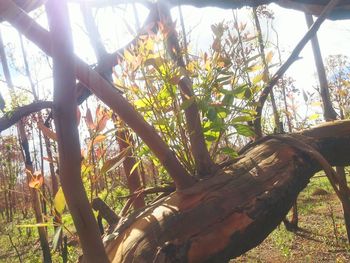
x=269 y=57
x=128 y=56
x=255 y=67
x=59 y=201
x=47 y=132
x=258 y=78
x=36 y=181
x=134 y=167
x=314 y=116
x=35 y=225
x=102 y=122
x=100 y=138
x=316 y=104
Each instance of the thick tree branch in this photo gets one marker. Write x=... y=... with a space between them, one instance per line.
x=249 y=199
x=67 y=132
x=17 y=114
x=105 y=91
x=293 y=56
x=314 y=7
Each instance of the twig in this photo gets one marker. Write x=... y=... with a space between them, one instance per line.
x=106 y=92
x=204 y=164
x=13 y=245
x=293 y=56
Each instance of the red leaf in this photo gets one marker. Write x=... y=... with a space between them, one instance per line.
x=89 y=121
x=78 y=116
x=47 y=132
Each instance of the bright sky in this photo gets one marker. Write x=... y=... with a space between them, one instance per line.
x=334 y=37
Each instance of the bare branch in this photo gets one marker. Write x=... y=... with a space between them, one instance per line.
x=13 y=117
x=105 y=91
x=293 y=56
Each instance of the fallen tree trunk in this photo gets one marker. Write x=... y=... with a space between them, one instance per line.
x=224 y=216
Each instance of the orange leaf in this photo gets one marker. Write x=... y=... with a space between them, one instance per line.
x=102 y=123
x=36 y=181
x=100 y=138
x=47 y=132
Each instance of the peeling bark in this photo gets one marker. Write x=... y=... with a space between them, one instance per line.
x=233 y=211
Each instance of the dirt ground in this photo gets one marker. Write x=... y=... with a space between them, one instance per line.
x=321 y=238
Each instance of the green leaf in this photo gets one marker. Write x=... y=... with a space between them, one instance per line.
x=116 y=161
x=35 y=225
x=244 y=130
x=242 y=118
x=258 y=78
x=59 y=202
x=229 y=151
x=134 y=167
x=56 y=238
x=212 y=115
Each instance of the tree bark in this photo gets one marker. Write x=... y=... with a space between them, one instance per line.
x=226 y=215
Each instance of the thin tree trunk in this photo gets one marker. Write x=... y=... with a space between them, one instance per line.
x=293 y=56
x=329 y=115
x=67 y=132
x=266 y=69
x=133 y=179
x=28 y=163
x=125 y=140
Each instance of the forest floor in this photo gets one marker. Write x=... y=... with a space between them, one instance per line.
x=322 y=235
x=321 y=238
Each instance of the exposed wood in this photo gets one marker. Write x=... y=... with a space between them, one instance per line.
x=234 y=210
